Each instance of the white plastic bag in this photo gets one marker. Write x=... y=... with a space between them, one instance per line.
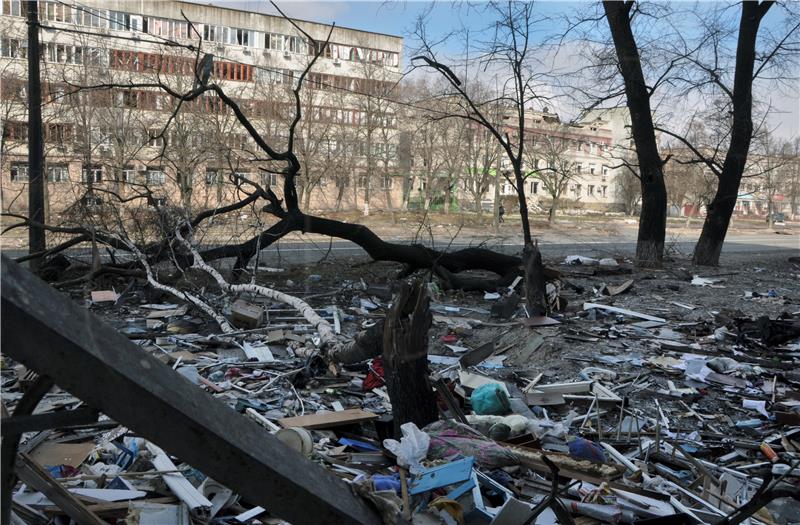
x=411 y=449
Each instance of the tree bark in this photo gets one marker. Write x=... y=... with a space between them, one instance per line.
x=718 y=216
x=405 y=358
x=551 y=213
x=36 y=180
x=653 y=217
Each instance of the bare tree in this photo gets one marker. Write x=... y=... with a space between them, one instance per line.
x=552 y=165
x=510 y=52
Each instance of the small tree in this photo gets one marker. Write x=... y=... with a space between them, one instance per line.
x=553 y=166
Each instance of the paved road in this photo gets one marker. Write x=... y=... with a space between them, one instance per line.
x=306 y=252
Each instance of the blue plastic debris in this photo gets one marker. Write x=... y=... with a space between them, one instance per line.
x=490 y=399
x=580 y=448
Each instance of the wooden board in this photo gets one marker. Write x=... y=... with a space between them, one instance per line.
x=50 y=454
x=328 y=419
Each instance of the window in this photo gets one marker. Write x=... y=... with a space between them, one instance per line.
x=154 y=176
x=535 y=186
x=15 y=131
x=92 y=174
x=387 y=182
x=93 y=17
x=213 y=177
x=128 y=99
x=12 y=7
x=269 y=179
x=128 y=175
x=590 y=190
x=58 y=133
x=57 y=174
x=19 y=173
x=158 y=202
x=11 y=48
x=605 y=173
x=603 y=191
x=91 y=201
x=295 y=44
x=362 y=181
x=153 y=138
x=591 y=169
x=124 y=21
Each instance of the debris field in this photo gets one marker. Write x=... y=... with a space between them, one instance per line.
x=645 y=396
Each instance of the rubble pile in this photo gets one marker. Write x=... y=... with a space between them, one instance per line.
x=644 y=397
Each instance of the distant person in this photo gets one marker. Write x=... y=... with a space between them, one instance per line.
x=501 y=211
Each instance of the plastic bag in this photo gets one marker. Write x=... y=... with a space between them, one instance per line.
x=490 y=399
x=411 y=449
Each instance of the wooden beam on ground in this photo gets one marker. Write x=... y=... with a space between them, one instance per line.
x=50 y=334
x=37 y=477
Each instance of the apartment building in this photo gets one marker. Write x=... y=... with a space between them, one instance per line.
x=573 y=160
x=127 y=137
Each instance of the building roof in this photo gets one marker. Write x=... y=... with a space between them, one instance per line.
x=212 y=4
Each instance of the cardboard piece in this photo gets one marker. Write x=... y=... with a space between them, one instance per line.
x=246 y=315
x=104 y=296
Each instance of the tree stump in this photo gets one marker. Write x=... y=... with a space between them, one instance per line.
x=535 y=285
x=405 y=357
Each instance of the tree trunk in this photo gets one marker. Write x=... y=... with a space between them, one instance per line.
x=405 y=358
x=551 y=213
x=535 y=285
x=307 y=197
x=496 y=206
x=720 y=209
x=339 y=197
x=36 y=180
x=447 y=196
x=653 y=218
x=523 y=204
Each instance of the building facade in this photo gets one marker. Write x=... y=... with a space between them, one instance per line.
x=113 y=131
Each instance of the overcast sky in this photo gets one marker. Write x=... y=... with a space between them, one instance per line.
x=398 y=17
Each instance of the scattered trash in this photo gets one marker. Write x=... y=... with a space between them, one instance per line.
x=653 y=404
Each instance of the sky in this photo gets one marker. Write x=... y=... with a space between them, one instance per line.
x=398 y=17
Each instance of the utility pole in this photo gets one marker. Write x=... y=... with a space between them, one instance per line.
x=36 y=180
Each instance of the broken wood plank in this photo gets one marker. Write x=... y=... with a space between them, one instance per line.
x=328 y=419
x=34 y=475
x=623 y=311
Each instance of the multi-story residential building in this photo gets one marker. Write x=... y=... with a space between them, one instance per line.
x=126 y=136
x=573 y=162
